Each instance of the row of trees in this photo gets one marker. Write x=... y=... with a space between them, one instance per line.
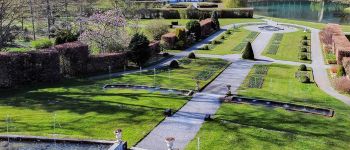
x=38 y=18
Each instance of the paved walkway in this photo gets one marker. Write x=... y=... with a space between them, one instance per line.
x=185 y=124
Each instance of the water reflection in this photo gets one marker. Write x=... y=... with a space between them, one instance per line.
x=311 y=11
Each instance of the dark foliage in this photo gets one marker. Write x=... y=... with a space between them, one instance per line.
x=193 y=26
x=139 y=50
x=248 y=53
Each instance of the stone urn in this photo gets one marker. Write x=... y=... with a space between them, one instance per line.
x=118 y=135
x=170 y=143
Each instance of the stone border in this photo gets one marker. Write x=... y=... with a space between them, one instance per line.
x=57 y=140
x=287 y=106
x=129 y=86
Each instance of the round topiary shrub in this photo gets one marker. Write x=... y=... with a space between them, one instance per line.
x=302 y=67
x=174 y=64
x=166 y=54
x=304 y=49
x=304 y=79
x=205 y=47
x=222 y=37
x=191 y=56
x=248 y=52
x=304 y=37
x=305 y=43
x=228 y=32
x=303 y=57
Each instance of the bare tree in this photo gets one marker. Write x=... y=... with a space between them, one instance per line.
x=32 y=17
x=10 y=11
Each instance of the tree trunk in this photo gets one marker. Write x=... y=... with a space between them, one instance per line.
x=32 y=15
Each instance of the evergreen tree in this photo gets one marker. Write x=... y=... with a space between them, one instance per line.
x=248 y=52
x=215 y=18
x=139 y=50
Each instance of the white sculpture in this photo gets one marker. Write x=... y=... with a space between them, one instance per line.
x=170 y=142
x=118 y=135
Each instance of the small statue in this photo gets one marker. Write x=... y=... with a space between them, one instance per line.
x=118 y=135
x=229 y=93
x=170 y=143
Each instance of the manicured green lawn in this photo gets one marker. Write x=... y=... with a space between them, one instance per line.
x=82 y=109
x=239 y=37
x=243 y=126
x=346 y=28
x=223 y=22
x=289 y=47
x=181 y=78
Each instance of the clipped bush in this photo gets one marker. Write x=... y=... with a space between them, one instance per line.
x=302 y=67
x=303 y=57
x=228 y=32
x=340 y=71
x=222 y=37
x=42 y=43
x=205 y=47
x=180 y=44
x=342 y=84
x=180 y=33
x=166 y=54
x=175 y=23
x=305 y=43
x=304 y=79
x=303 y=49
x=194 y=26
x=305 y=37
x=215 y=42
x=248 y=53
x=191 y=56
x=174 y=64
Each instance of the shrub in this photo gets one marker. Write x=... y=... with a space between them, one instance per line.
x=191 y=56
x=302 y=67
x=248 y=53
x=342 y=84
x=305 y=43
x=215 y=42
x=205 y=47
x=157 y=28
x=193 y=26
x=174 y=23
x=65 y=36
x=180 y=34
x=180 y=44
x=174 y=64
x=42 y=43
x=304 y=79
x=334 y=69
x=303 y=49
x=228 y=32
x=305 y=37
x=139 y=51
x=166 y=54
x=215 y=18
x=303 y=57
x=341 y=71
x=222 y=37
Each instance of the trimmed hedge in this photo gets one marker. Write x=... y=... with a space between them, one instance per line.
x=169 y=13
x=102 y=62
x=27 y=68
x=73 y=58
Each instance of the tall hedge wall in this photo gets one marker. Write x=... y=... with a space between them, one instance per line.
x=73 y=58
x=101 y=63
x=196 y=13
x=29 y=67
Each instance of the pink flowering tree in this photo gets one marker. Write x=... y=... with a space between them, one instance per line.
x=106 y=32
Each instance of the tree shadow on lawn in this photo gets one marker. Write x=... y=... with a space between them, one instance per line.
x=82 y=103
x=293 y=122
